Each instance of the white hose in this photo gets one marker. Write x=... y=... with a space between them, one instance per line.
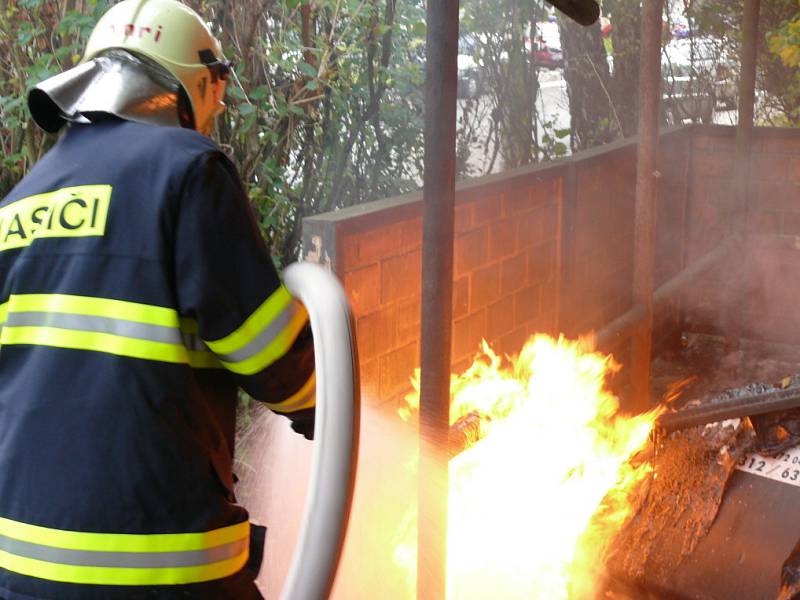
x=333 y=466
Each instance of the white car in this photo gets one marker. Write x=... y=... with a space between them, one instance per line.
x=469 y=74
x=696 y=75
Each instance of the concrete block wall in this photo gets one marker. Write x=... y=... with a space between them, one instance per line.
x=549 y=248
x=505 y=279
x=672 y=238
x=599 y=288
x=598 y=249
x=769 y=304
x=769 y=267
x=506 y=258
x=545 y=249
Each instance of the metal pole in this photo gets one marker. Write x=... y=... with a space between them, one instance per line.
x=646 y=193
x=437 y=285
x=744 y=144
x=731 y=408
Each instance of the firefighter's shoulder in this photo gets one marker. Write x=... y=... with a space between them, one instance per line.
x=168 y=139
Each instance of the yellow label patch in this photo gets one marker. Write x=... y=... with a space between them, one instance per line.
x=79 y=211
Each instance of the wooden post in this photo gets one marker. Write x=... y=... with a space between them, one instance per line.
x=646 y=194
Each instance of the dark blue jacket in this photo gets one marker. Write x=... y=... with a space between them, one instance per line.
x=136 y=297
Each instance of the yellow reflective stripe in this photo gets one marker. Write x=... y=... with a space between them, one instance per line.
x=272 y=351
x=121 y=575
x=78 y=211
x=304 y=398
x=101 y=307
x=105 y=342
x=188 y=325
x=123 y=542
x=255 y=323
x=203 y=360
x=107 y=309
x=132 y=559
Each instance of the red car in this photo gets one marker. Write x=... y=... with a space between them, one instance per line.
x=547 y=56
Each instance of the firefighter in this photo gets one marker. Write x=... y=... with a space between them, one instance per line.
x=136 y=297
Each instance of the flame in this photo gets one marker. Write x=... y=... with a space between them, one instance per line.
x=537 y=497
x=675 y=389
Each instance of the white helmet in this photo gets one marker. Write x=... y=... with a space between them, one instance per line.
x=175 y=37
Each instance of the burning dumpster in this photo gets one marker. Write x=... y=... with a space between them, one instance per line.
x=717 y=519
x=546 y=480
x=556 y=494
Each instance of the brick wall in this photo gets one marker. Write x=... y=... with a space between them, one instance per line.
x=598 y=250
x=505 y=285
x=765 y=301
x=546 y=248
x=549 y=248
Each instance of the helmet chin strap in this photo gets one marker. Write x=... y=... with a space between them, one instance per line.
x=209 y=126
x=116 y=83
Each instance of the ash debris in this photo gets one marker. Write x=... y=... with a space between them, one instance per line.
x=677 y=506
x=679 y=502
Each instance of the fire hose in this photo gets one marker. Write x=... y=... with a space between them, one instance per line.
x=333 y=466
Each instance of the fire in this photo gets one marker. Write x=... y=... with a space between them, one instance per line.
x=538 y=496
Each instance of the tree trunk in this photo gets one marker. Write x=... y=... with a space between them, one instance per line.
x=625 y=16
x=517 y=109
x=592 y=114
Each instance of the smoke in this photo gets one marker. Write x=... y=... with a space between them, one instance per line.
x=273 y=465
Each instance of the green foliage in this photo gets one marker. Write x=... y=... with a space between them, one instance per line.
x=500 y=32
x=785 y=42
x=325 y=110
x=778 y=52
x=38 y=39
x=326 y=106
x=553 y=142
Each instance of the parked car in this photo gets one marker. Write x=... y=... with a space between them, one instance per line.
x=546 y=56
x=469 y=73
x=686 y=96
x=696 y=77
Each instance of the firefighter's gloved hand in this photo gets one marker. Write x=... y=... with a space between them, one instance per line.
x=303 y=422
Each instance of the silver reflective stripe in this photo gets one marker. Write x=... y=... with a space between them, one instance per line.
x=121 y=327
x=139 y=560
x=193 y=342
x=265 y=337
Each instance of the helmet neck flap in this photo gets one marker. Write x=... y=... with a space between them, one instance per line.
x=116 y=83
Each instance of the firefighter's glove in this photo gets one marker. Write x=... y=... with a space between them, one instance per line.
x=303 y=422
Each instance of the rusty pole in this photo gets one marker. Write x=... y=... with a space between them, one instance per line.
x=646 y=194
x=747 y=98
x=437 y=285
x=744 y=144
